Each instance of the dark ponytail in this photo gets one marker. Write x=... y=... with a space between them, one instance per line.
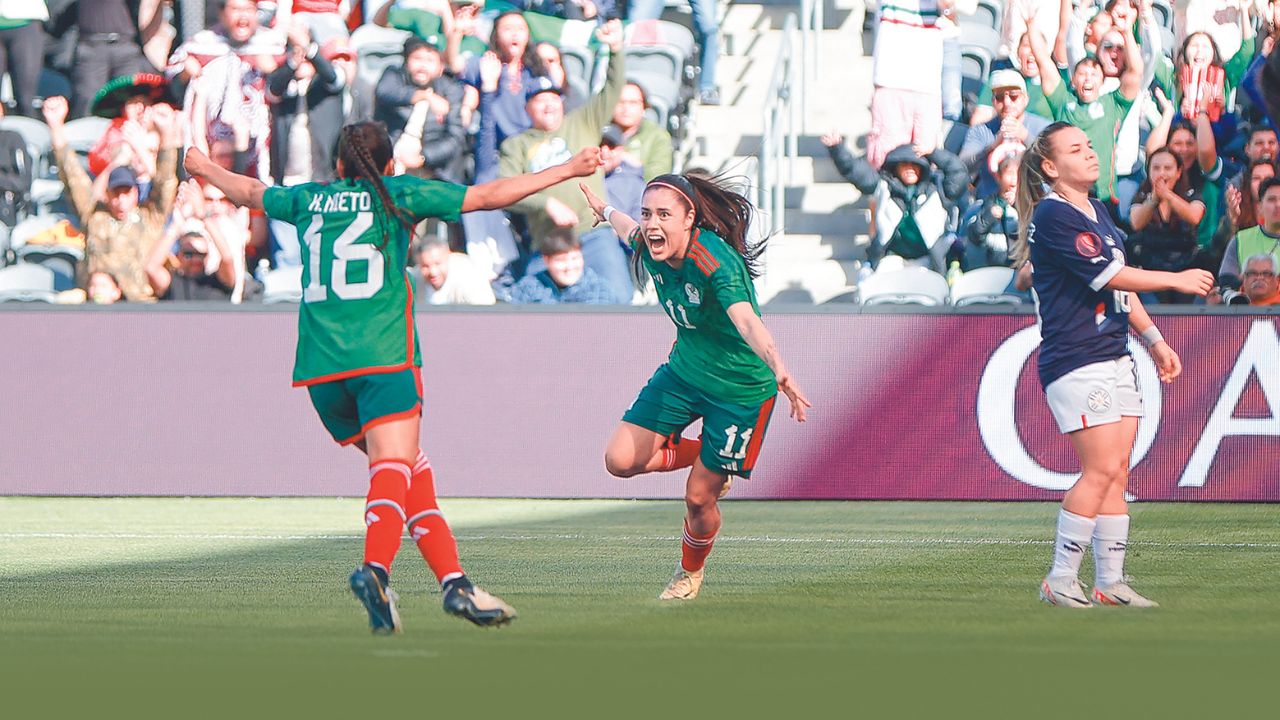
x=365 y=150
x=716 y=207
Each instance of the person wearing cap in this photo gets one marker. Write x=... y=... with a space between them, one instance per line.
x=553 y=138
x=422 y=109
x=645 y=142
x=187 y=277
x=306 y=96
x=1006 y=134
x=119 y=231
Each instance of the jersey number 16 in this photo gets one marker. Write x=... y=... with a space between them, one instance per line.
x=345 y=250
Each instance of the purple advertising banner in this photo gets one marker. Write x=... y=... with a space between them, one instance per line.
x=520 y=404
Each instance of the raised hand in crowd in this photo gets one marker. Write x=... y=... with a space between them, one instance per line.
x=190 y=202
x=833 y=139
x=55 y=111
x=1233 y=200
x=561 y=214
x=490 y=72
x=610 y=34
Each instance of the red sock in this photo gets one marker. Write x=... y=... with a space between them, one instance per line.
x=427 y=526
x=384 y=512
x=678 y=453
x=694 y=550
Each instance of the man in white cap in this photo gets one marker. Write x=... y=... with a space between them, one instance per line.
x=1007 y=133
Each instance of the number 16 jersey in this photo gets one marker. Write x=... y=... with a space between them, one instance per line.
x=356 y=316
x=1075 y=256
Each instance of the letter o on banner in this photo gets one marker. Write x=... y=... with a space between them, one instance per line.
x=997 y=402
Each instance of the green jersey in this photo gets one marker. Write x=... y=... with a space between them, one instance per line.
x=356 y=316
x=1100 y=120
x=709 y=354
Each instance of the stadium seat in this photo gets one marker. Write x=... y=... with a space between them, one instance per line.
x=909 y=286
x=60 y=259
x=26 y=283
x=376 y=48
x=661 y=91
x=283 y=285
x=579 y=66
x=39 y=141
x=83 y=133
x=985 y=286
x=659 y=33
x=989 y=13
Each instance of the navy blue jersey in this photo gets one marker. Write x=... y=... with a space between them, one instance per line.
x=1074 y=257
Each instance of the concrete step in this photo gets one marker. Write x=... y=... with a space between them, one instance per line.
x=810 y=282
x=801 y=247
x=824 y=197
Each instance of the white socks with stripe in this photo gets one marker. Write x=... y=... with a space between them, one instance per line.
x=1074 y=534
x=1110 y=540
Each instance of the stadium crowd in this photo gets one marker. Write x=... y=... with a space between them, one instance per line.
x=105 y=96
x=1168 y=92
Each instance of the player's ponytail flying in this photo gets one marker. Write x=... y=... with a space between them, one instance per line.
x=1033 y=185
x=365 y=149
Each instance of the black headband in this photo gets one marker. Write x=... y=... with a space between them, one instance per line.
x=678 y=183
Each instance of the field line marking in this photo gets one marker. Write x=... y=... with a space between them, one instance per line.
x=765 y=539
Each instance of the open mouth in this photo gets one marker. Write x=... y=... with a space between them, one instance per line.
x=657 y=243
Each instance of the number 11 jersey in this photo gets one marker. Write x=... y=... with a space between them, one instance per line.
x=1075 y=256
x=356 y=316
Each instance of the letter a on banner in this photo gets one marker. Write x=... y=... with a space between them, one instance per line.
x=1260 y=354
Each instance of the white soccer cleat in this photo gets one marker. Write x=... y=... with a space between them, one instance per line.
x=1121 y=595
x=684 y=585
x=1064 y=592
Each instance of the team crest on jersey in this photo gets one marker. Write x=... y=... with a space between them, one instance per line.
x=695 y=297
x=1099 y=401
x=1088 y=245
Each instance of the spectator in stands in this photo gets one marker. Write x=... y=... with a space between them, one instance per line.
x=237 y=33
x=906 y=104
x=706 y=28
x=501 y=98
x=553 y=65
x=910 y=197
x=1164 y=214
x=422 y=108
x=1086 y=106
x=1260 y=284
x=1046 y=14
x=564 y=277
x=1198 y=78
x=323 y=18
x=127 y=100
x=119 y=232
x=22 y=49
x=993 y=221
x=306 y=94
x=188 y=277
x=1024 y=63
x=646 y=143
x=556 y=136
x=987 y=145
x=103 y=289
x=1242 y=204
x=112 y=33
x=1196 y=148
x=1264 y=238
x=624 y=180
x=1260 y=146
x=1219 y=20
x=450 y=278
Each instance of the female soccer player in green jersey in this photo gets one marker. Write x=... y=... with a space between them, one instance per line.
x=358 y=350
x=724 y=367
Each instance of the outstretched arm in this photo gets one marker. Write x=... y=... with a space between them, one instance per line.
x=623 y=224
x=500 y=193
x=758 y=337
x=241 y=190
x=1191 y=282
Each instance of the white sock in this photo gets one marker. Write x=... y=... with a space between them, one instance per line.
x=1110 y=537
x=1074 y=532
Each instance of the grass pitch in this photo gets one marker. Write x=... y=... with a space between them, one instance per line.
x=239 y=608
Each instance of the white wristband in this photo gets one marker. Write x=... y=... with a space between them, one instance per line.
x=1152 y=335
x=607 y=212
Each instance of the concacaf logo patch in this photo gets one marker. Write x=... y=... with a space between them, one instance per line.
x=1088 y=245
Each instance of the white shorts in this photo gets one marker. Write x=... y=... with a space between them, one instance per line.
x=1095 y=394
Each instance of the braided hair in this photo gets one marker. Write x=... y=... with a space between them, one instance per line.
x=1033 y=185
x=365 y=149
x=716 y=207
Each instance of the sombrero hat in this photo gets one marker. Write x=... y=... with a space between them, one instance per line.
x=109 y=101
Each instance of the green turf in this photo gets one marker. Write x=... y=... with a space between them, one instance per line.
x=238 y=608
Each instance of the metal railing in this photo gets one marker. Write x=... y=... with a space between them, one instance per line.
x=778 y=138
x=812 y=19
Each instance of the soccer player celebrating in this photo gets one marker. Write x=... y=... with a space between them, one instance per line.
x=358 y=352
x=724 y=367
x=1086 y=299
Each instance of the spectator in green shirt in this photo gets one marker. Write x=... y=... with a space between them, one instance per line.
x=1085 y=106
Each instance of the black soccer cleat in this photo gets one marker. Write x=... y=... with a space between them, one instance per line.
x=474 y=604
x=378 y=599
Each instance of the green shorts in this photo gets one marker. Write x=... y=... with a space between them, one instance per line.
x=731 y=434
x=348 y=408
